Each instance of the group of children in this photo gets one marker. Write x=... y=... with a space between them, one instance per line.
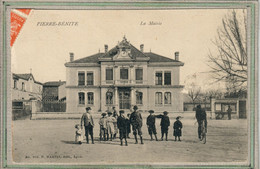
x=110 y=124
x=165 y=123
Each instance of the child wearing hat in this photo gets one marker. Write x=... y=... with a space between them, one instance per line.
x=165 y=123
x=121 y=124
x=177 y=129
x=110 y=125
x=103 y=126
x=78 y=137
x=150 y=122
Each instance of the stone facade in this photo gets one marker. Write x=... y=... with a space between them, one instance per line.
x=122 y=77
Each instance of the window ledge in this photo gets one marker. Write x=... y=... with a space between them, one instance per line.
x=81 y=105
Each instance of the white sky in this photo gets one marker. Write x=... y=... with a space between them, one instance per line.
x=45 y=49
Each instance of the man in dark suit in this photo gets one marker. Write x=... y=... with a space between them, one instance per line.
x=165 y=123
x=137 y=122
x=88 y=124
x=201 y=116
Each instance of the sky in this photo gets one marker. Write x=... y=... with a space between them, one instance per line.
x=45 y=49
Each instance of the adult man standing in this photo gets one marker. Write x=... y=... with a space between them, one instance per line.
x=136 y=121
x=88 y=124
x=229 y=110
x=201 y=116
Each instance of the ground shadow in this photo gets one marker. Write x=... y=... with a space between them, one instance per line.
x=69 y=142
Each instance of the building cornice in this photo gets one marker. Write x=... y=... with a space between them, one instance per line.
x=135 y=86
x=165 y=64
x=82 y=65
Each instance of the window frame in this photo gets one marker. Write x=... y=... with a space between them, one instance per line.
x=83 y=81
x=142 y=77
x=87 y=82
x=110 y=68
x=157 y=81
x=122 y=68
x=169 y=101
x=80 y=101
x=157 y=98
x=88 y=100
x=137 y=99
x=111 y=100
x=164 y=73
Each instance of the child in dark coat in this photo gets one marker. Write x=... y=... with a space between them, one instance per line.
x=121 y=124
x=150 y=122
x=177 y=129
x=165 y=123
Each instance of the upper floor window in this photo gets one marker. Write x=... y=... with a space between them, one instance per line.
x=15 y=84
x=81 y=78
x=167 y=78
x=158 y=98
x=109 y=74
x=158 y=78
x=139 y=98
x=109 y=98
x=81 y=98
x=23 y=86
x=139 y=75
x=90 y=78
x=124 y=73
x=90 y=98
x=167 y=98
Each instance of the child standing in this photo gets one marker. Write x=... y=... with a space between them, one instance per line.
x=165 y=123
x=177 y=129
x=121 y=124
x=103 y=127
x=110 y=125
x=150 y=122
x=128 y=125
x=78 y=137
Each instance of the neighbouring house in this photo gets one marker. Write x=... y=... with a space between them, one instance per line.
x=54 y=91
x=122 y=77
x=25 y=87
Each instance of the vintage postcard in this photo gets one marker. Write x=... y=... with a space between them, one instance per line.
x=152 y=84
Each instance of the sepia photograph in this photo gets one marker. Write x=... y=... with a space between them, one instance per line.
x=131 y=86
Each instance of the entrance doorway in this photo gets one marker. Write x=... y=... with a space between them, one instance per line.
x=124 y=98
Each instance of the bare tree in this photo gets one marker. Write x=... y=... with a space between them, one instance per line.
x=229 y=62
x=194 y=92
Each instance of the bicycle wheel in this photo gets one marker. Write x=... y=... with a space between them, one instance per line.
x=203 y=138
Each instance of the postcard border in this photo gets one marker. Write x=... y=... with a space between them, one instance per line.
x=253 y=65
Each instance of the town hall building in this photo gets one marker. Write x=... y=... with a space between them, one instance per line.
x=122 y=77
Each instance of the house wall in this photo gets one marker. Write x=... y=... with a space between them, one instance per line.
x=100 y=87
x=30 y=90
x=62 y=91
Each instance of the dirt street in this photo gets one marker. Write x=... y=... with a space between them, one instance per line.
x=49 y=141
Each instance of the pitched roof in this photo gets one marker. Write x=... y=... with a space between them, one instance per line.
x=135 y=53
x=158 y=58
x=25 y=76
x=54 y=83
x=89 y=59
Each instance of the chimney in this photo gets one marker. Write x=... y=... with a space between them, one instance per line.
x=142 y=47
x=106 y=48
x=176 y=56
x=71 y=57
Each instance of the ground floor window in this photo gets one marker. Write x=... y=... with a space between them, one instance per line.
x=81 y=98
x=158 y=98
x=109 y=98
x=90 y=98
x=167 y=98
x=139 y=98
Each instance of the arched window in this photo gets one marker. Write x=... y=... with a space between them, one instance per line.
x=167 y=98
x=90 y=98
x=109 y=98
x=139 y=98
x=158 y=98
x=81 y=98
